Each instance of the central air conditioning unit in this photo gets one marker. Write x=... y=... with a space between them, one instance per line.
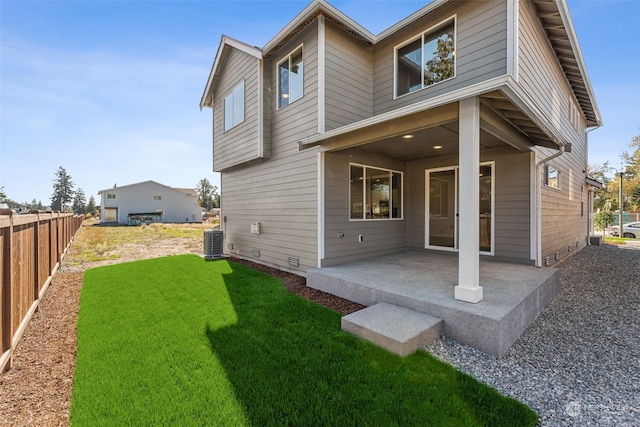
x=213 y=244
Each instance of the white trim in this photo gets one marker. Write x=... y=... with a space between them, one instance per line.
x=427 y=104
x=468 y=288
x=321 y=73
x=427 y=207
x=364 y=195
x=534 y=210
x=513 y=32
x=420 y=36
x=321 y=217
x=260 y=108
x=277 y=74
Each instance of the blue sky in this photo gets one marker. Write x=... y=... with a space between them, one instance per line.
x=109 y=90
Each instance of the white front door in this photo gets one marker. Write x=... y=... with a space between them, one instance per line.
x=441 y=228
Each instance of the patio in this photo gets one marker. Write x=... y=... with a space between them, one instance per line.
x=424 y=281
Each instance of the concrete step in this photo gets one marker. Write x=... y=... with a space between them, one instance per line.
x=397 y=329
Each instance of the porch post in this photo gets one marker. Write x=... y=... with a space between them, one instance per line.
x=469 y=288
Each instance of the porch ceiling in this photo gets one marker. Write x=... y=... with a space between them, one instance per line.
x=434 y=132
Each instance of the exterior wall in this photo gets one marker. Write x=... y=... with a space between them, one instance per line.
x=138 y=198
x=280 y=193
x=349 y=79
x=512 y=203
x=241 y=143
x=564 y=214
x=512 y=207
x=379 y=236
x=481 y=46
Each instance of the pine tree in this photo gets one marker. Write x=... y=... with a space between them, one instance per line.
x=91 y=206
x=62 y=190
x=79 y=202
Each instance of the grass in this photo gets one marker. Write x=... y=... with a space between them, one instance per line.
x=99 y=243
x=616 y=240
x=182 y=341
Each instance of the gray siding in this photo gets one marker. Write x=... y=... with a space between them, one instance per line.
x=241 y=143
x=563 y=221
x=349 y=79
x=512 y=205
x=280 y=192
x=481 y=32
x=379 y=236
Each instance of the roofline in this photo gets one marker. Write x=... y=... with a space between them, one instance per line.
x=504 y=83
x=314 y=7
x=142 y=182
x=575 y=46
x=224 y=42
x=435 y=4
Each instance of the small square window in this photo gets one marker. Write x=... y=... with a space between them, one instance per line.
x=111 y=196
x=551 y=177
x=157 y=197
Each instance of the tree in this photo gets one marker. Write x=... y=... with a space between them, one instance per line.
x=600 y=174
x=91 y=206
x=441 y=65
x=208 y=197
x=2 y=193
x=62 y=190
x=631 y=187
x=79 y=202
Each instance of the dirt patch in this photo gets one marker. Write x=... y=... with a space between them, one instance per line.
x=36 y=391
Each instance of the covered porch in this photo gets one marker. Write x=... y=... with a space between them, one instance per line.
x=424 y=281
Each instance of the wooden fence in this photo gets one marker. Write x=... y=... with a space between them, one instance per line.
x=32 y=247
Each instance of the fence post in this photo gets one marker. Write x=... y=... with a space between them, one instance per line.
x=7 y=277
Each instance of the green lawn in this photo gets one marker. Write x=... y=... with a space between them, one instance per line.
x=183 y=341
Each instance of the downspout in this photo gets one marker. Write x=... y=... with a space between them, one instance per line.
x=563 y=149
x=589 y=192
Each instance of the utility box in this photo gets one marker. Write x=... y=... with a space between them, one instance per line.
x=213 y=244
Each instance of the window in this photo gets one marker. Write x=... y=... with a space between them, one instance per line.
x=234 y=107
x=111 y=196
x=426 y=60
x=290 y=78
x=551 y=177
x=157 y=197
x=375 y=193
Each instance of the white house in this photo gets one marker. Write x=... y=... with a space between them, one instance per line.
x=148 y=201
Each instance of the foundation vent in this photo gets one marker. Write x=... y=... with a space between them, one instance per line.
x=294 y=262
x=546 y=261
x=256 y=253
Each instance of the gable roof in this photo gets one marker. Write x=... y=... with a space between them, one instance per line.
x=186 y=191
x=226 y=43
x=553 y=15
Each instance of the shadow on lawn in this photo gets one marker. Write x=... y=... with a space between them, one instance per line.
x=291 y=365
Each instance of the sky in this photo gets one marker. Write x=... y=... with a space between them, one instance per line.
x=110 y=90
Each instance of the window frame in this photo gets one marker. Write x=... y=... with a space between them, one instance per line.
x=547 y=180
x=364 y=193
x=421 y=36
x=157 y=198
x=288 y=58
x=231 y=95
x=111 y=196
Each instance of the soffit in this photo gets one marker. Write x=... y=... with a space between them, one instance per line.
x=557 y=24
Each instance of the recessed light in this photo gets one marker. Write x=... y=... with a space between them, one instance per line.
x=407 y=136
x=437 y=147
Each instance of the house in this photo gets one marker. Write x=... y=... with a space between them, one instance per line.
x=461 y=128
x=148 y=201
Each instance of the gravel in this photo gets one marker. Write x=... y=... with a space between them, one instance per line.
x=578 y=363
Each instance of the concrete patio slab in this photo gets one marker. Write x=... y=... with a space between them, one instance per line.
x=424 y=281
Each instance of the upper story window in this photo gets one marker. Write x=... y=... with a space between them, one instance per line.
x=375 y=193
x=157 y=198
x=234 y=107
x=426 y=60
x=551 y=177
x=111 y=196
x=290 y=78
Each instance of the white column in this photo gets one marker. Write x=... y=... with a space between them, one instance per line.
x=469 y=288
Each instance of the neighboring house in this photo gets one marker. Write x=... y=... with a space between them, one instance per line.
x=147 y=202
x=460 y=128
